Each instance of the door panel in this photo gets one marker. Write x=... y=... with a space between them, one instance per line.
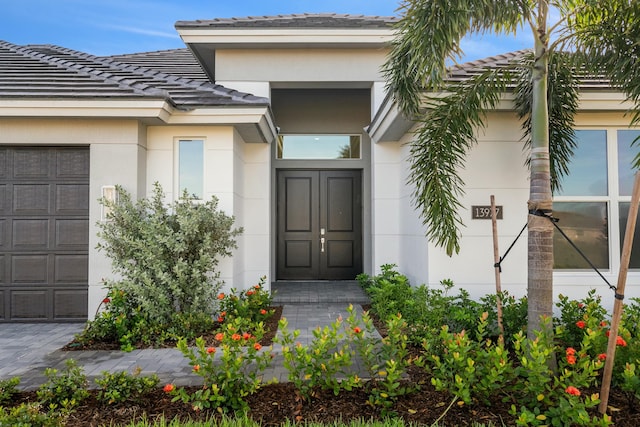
x=315 y=205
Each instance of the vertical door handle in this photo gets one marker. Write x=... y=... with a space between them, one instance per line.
x=322 y=244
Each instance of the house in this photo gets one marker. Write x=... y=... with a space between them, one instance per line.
x=285 y=119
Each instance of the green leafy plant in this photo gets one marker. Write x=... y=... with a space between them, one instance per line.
x=121 y=386
x=8 y=389
x=64 y=390
x=386 y=360
x=252 y=305
x=556 y=399
x=230 y=372
x=166 y=258
x=29 y=415
x=473 y=370
x=323 y=363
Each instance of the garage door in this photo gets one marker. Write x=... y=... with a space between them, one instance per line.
x=44 y=233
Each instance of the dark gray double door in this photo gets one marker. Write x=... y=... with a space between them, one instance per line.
x=319 y=224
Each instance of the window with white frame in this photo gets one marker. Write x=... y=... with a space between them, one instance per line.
x=190 y=167
x=593 y=203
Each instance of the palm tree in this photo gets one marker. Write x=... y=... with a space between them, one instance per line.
x=546 y=97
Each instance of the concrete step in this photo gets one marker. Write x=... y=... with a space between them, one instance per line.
x=318 y=292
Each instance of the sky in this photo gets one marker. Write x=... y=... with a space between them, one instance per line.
x=111 y=27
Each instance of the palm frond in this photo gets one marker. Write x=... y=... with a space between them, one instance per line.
x=444 y=136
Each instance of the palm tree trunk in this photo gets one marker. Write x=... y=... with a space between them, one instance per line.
x=540 y=244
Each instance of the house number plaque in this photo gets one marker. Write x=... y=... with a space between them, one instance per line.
x=484 y=212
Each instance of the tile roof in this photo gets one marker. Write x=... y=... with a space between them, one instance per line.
x=306 y=20
x=461 y=72
x=47 y=71
x=179 y=62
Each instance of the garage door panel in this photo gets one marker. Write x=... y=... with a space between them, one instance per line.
x=31 y=199
x=3 y=272
x=3 y=198
x=72 y=234
x=72 y=198
x=29 y=304
x=70 y=304
x=72 y=163
x=32 y=234
x=2 y=305
x=4 y=243
x=71 y=269
x=30 y=163
x=31 y=269
x=3 y=163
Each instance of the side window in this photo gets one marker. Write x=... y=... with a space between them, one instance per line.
x=582 y=205
x=190 y=167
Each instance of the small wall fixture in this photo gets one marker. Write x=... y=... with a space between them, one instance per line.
x=109 y=193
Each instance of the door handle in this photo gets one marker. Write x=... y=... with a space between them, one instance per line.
x=322 y=244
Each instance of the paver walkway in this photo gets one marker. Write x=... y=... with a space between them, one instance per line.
x=26 y=349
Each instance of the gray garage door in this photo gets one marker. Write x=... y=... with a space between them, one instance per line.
x=44 y=233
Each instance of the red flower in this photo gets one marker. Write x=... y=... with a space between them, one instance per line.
x=257 y=346
x=263 y=311
x=236 y=337
x=571 y=351
x=608 y=332
x=603 y=323
x=211 y=350
x=620 y=341
x=219 y=336
x=572 y=391
x=169 y=388
x=196 y=368
x=224 y=313
x=246 y=336
x=220 y=295
x=249 y=293
x=581 y=324
x=357 y=330
x=256 y=287
x=220 y=319
x=106 y=300
x=571 y=360
x=580 y=305
x=602 y=356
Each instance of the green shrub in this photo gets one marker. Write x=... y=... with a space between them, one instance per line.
x=121 y=386
x=252 y=304
x=166 y=259
x=8 y=389
x=230 y=376
x=65 y=389
x=28 y=415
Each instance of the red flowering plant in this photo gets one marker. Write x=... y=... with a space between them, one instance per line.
x=560 y=397
x=230 y=372
x=253 y=304
x=578 y=315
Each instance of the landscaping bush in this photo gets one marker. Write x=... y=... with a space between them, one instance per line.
x=166 y=259
x=8 y=389
x=121 y=386
x=64 y=390
x=28 y=415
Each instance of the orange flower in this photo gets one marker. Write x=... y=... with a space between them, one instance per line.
x=224 y=313
x=571 y=360
x=220 y=319
x=249 y=293
x=263 y=311
x=246 y=335
x=620 y=341
x=257 y=346
x=581 y=324
x=169 y=388
x=256 y=287
x=603 y=323
x=211 y=350
x=236 y=337
x=220 y=295
x=571 y=351
x=196 y=368
x=572 y=391
x=219 y=336
x=602 y=356
x=357 y=330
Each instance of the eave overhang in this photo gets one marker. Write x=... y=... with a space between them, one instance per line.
x=255 y=124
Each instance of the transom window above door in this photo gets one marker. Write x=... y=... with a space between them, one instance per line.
x=320 y=147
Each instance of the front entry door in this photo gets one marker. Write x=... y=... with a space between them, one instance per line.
x=319 y=224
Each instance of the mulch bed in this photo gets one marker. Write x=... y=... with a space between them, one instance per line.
x=273 y=404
